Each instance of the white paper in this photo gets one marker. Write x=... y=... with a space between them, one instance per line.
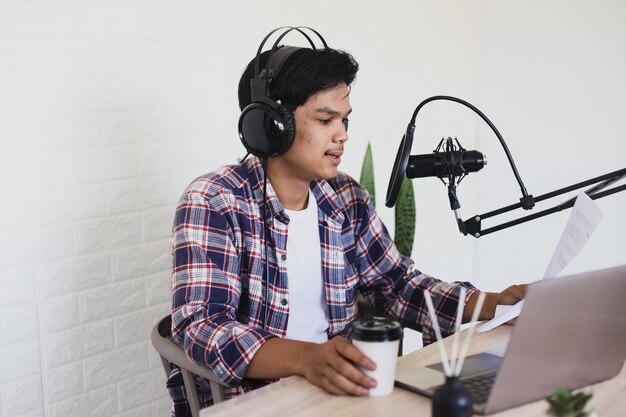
x=503 y=308
x=582 y=222
x=503 y=314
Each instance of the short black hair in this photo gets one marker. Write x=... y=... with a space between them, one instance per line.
x=304 y=74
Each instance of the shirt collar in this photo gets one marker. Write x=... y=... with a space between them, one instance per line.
x=328 y=201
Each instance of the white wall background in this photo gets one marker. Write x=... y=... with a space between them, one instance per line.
x=109 y=108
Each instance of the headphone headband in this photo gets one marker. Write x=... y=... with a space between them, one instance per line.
x=259 y=85
x=275 y=45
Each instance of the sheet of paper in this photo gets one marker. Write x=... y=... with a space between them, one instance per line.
x=502 y=308
x=582 y=222
x=503 y=314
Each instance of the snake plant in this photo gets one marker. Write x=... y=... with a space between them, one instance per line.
x=405 y=205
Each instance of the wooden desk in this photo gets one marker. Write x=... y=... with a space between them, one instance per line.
x=295 y=396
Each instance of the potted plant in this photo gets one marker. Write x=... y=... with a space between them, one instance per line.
x=564 y=403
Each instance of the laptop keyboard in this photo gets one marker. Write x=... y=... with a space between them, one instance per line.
x=479 y=386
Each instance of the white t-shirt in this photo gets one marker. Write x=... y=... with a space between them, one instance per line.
x=308 y=317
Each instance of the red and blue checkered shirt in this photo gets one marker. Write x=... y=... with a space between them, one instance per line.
x=218 y=270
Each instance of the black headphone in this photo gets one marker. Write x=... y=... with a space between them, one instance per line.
x=266 y=127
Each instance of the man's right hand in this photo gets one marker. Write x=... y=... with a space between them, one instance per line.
x=333 y=367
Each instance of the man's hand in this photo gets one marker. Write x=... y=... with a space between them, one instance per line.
x=333 y=367
x=511 y=295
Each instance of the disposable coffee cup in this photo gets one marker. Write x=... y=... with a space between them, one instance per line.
x=378 y=338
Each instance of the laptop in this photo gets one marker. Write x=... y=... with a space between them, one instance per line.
x=571 y=333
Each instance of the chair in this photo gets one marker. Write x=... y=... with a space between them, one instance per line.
x=172 y=353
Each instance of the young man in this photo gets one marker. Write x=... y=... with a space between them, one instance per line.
x=325 y=243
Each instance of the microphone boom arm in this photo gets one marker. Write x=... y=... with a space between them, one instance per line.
x=417 y=166
x=472 y=225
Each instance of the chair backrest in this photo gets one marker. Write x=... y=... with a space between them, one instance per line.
x=172 y=353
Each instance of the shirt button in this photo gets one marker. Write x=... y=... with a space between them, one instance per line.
x=283 y=301
x=283 y=257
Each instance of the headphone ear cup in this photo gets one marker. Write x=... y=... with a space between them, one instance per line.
x=266 y=130
x=283 y=129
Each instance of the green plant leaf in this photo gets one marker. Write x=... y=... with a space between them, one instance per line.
x=405 y=218
x=367 y=174
x=367 y=181
x=563 y=403
x=579 y=401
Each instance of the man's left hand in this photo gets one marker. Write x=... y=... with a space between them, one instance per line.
x=511 y=295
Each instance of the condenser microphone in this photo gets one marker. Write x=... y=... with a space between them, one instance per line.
x=444 y=164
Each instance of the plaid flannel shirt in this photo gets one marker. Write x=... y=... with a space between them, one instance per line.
x=218 y=271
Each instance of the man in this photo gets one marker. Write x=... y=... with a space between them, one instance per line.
x=325 y=243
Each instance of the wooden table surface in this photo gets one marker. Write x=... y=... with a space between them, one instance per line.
x=295 y=396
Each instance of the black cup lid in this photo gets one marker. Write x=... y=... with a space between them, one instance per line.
x=376 y=329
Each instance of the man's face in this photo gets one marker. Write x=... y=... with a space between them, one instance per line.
x=320 y=135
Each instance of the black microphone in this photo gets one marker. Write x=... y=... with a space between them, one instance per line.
x=450 y=162
x=444 y=164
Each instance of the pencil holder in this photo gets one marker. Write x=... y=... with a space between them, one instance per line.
x=452 y=399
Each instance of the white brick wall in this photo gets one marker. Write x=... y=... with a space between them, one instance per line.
x=20 y=359
x=22 y=395
x=104 y=118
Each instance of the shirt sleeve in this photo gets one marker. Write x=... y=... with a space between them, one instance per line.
x=390 y=281
x=206 y=289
